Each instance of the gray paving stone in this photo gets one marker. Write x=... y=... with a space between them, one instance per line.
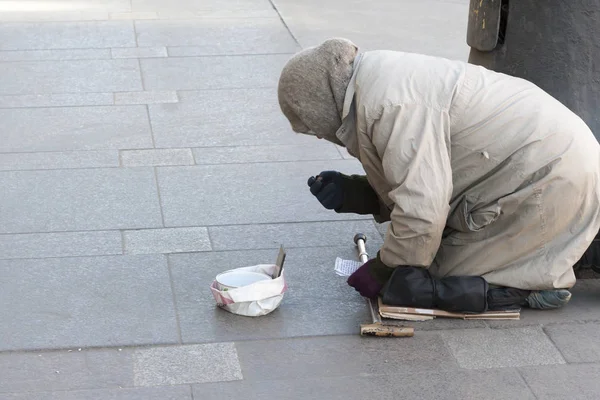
x=56 y=100
x=169 y=240
x=57 y=16
x=134 y=15
x=66 y=35
x=157 y=157
x=218 y=13
x=109 y=5
x=60 y=244
x=497 y=384
x=492 y=348
x=74 y=76
x=62 y=370
x=312 y=234
x=583 y=307
x=270 y=153
x=392 y=25
x=58 y=160
x=569 y=382
x=578 y=343
x=215 y=362
x=75 y=5
x=204 y=119
x=139 y=52
x=55 y=55
x=146 y=97
x=75 y=128
x=221 y=36
x=191 y=5
x=344 y=153
x=76 y=199
x=86 y=302
x=154 y=393
x=223 y=72
x=342 y=356
x=198 y=196
x=317 y=302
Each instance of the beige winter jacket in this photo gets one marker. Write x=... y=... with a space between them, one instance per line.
x=484 y=174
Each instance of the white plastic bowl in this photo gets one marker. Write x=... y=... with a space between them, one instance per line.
x=235 y=279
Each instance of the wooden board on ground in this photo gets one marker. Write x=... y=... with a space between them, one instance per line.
x=425 y=314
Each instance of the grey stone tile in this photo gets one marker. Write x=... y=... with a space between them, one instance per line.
x=139 y=52
x=56 y=100
x=146 y=97
x=204 y=119
x=269 y=153
x=76 y=128
x=109 y=5
x=157 y=157
x=317 y=302
x=344 y=153
x=58 y=160
x=62 y=370
x=86 y=302
x=55 y=55
x=583 y=307
x=134 y=15
x=60 y=244
x=497 y=384
x=66 y=35
x=422 y=26
x=168 y=240
x=572 y=382
x=221 y=36
x=191 y=5
x=218 y=13
x=74 y=76
x=215 y=362
x=493 y=348
x=81 y=5
x=55 y=16
x=342 y=356
x=154 y=393
x=312 y=234
x=578 y=343
x=219 y=194
x=222 y=72
x=76 y=199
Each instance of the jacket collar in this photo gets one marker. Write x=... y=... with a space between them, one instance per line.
x=347 y=132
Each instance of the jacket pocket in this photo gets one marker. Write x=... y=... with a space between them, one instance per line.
x=469 y=218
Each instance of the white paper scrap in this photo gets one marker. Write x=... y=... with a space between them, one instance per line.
x=345 y=267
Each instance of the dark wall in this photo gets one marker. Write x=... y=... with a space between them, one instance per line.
x=554 y=44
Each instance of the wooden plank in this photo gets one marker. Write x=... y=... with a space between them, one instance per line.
x=396 y=312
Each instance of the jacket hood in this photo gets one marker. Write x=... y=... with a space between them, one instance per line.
x=312 y=88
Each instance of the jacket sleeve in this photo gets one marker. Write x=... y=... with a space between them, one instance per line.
x=413 y=144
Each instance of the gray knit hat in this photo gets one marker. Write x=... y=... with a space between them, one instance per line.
x=312 y=87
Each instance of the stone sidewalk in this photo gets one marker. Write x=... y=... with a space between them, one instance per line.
x=142 y=151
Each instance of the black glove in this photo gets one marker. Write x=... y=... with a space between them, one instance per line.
x=327 y=187
x=415 y=287
x=345 y=194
